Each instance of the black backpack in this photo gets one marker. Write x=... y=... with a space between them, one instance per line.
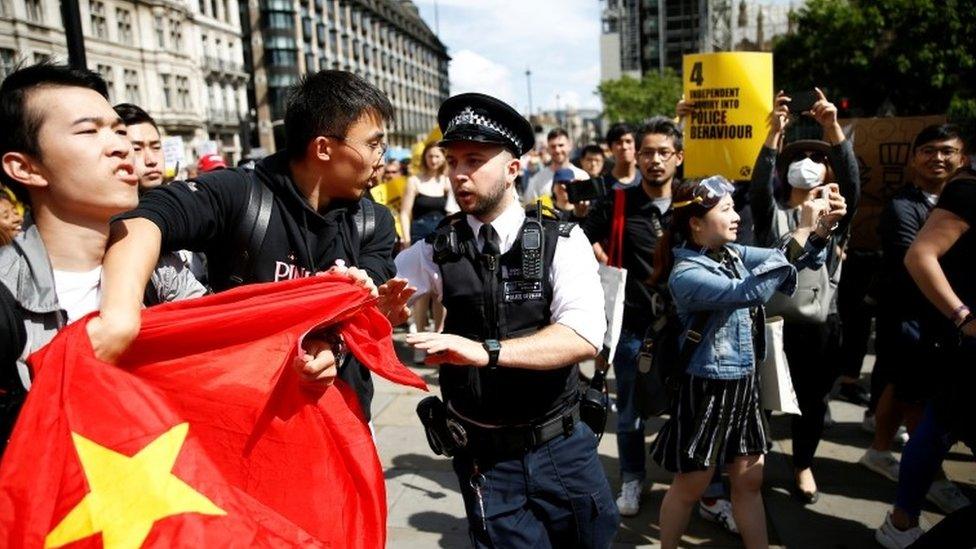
x=662 y=360
x=257 y=216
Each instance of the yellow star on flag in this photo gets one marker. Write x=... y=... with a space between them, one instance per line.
x=128 y=494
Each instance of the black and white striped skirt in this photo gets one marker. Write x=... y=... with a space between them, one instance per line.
x=712 y=422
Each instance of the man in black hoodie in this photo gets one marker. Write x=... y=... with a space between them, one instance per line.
x=335 y=124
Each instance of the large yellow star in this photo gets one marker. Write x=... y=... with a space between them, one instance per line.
x=129 y=494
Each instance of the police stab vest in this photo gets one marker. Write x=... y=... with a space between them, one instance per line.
x=490 y=298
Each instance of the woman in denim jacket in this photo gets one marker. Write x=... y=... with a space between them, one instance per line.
x=717 y=417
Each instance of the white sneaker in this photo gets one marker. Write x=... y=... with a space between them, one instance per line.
x=867 y=424
x=901 y=437
x=946 y=496
x=881 y=462
x=893 y=538
x=629 y=501
x=720 y=512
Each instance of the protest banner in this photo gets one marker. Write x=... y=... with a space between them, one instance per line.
x=883 y=149
x=174 y=157
x=732 y=93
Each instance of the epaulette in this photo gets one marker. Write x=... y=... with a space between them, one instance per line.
x=565 y=228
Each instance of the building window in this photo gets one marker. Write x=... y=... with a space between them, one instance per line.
x=213 y=9
x=41 y=57
x=183 y=92
x=98 y=27
x=108 y=75
x=131 y=80
x=8 y=60
x=160 y=28
x=167 y=90
x=35 y=10
x=123 y=19
x=175 y=34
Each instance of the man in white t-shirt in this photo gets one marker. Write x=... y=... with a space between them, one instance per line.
x=540 y=184
x=65 y=152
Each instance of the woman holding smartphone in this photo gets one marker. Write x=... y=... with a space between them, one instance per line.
x=717 y=416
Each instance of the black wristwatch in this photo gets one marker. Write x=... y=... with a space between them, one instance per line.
x=494 y=348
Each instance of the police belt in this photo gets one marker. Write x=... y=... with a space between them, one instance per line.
x=506 y=440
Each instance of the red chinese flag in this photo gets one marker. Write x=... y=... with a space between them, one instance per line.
x=203 y=435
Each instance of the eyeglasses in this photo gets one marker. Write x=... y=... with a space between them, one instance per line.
x=648 y=154
x=707 y=192
x=380 y=147
x=947 y=152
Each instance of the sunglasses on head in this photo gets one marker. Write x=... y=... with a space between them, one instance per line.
x=708 y=192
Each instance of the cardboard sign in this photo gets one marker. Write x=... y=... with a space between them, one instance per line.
x=883 y=147
x=732 y=94
x=174 y=157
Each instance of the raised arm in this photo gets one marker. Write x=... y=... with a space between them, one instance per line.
x=761 y=199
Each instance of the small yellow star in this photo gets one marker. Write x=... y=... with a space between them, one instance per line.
x=129 y=494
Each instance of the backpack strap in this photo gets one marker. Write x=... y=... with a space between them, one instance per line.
x=364 y=220
x=616 y=243
x=252 y=228
x=693 y=336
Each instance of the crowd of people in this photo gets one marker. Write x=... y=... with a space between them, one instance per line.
x=497 y=256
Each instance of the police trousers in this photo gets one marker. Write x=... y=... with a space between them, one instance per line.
x=556 y=495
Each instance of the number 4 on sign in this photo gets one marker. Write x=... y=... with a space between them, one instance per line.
x=696 y=74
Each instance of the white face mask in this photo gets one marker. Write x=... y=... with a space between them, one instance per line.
x=806 y=174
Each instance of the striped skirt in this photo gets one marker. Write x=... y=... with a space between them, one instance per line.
x=712 y=422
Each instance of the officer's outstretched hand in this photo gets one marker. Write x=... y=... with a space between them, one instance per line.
x=449 y=349
x=393 y=297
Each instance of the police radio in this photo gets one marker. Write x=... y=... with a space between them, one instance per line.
x=532 y=246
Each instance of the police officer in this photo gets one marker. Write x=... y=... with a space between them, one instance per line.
x=524 y=305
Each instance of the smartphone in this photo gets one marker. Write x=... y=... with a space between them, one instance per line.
x=588 y=189
x=802 y=100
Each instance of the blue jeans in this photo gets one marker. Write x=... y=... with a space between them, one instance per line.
x=921 y=460
x=554 y=496
x=630 y=426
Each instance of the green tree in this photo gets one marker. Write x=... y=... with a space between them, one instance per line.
x=631 y=100
x=916 y=56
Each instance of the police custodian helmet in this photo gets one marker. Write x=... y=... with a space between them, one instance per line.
x=483 y=119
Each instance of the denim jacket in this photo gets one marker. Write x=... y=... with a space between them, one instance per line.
x=701 y=285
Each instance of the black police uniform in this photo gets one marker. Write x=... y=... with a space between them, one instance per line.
x=528 y=468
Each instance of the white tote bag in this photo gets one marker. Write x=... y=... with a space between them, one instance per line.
x=774 y=372
x=613 y=280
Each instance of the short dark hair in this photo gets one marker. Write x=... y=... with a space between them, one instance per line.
x=133 y=114
x=618 y=131
x=939 y=132
x=592 y=148
x=662 y=125
x=556 y=132
x=22 y=125
x=327 y=103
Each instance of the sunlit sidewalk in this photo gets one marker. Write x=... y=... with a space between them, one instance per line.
x=425 y=507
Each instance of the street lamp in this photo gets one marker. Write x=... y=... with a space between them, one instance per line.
x=528 y=82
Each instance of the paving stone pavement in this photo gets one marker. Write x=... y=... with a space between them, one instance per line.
x=425 y=508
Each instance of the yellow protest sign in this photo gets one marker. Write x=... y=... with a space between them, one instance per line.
x=732 y=93
x=390 y=194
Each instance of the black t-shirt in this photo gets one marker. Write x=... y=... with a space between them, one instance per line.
x=959 y=263
x=641 y=215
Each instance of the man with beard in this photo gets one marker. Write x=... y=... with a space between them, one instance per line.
x=644 y=210
x=524 y=306
x=540 y=184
